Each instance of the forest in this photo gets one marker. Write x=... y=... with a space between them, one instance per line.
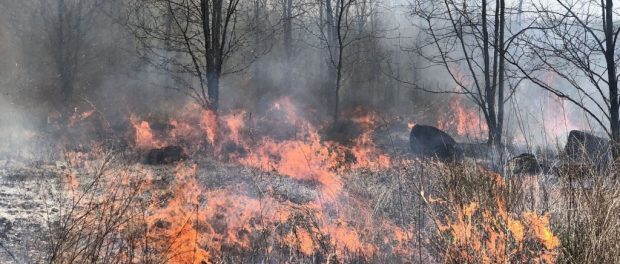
x=309 y=131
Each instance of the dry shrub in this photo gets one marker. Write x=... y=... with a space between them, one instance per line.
x=458 y=213
x=588 y=218
x=462 y=213
x=475 y=224
x=96 y=216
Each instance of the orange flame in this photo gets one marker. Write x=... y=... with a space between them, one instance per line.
x=195 y=223
x=462 y=121
x=144 y=135
x=494 y=235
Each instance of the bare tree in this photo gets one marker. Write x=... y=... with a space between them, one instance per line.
x=337 y=35
x=66 y=28
x=468 y=39
x=576 y=41
x=68 y=24
x=287 y=17
x=206 y=34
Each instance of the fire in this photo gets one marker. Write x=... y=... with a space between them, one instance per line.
x=189 y=220
x=178 y=225
x=366 y=153
x=459 y=119
x=235 y=124
x=201 y=223
x=303 y=160
x=144 y=137
x=462 y=121
x=410 y=124
x=76 y=118
x=540 y=226
x=557 y=122
x=209 y=124
x=302 y=238
x=491 y=234
x=198 y=224
x=306 y=157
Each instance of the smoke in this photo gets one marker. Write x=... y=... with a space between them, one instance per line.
x=381 y=71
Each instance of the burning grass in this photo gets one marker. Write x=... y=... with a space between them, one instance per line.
x=246 y=196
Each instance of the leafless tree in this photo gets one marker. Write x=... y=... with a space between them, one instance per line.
x=205 y=36
x=65 y=30
x=287 y=17
x=576 y=41
x=469 y=40
x=68 y=25
x=339 y=33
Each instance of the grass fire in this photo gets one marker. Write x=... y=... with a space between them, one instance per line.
x=298 y=131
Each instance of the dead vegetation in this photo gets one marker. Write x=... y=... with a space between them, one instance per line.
x=306 y=200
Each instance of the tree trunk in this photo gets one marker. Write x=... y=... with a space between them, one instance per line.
x=66 y=57
x=614 y=115
x=502 y=63
x=213 y=87
x=288 y=41
x=332 y=76
x=338 y=32
x=337 y=89
x=211 y=23
x=288 y=28
x=489 y=88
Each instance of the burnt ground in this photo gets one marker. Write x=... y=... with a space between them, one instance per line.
x=28 y=191
x=29 y=197
x=30 y=187
x=25 y=210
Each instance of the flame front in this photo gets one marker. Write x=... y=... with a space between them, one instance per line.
x=194 y=219
x=294 y=194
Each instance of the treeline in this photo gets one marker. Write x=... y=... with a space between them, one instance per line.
x=402 y=56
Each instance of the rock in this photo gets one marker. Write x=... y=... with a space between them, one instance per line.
x=166 y=155
x=583 y=147
x=430 y=142
x=525 y=163
x=162 y=224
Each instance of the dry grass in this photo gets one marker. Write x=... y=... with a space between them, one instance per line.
x=452 y=213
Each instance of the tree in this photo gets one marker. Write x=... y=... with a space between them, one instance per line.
x=336 y=36
x=69 y=22
x=468 y=39
x=206 y=34
x=287 y=17
x=576 y=41
x=67 y=27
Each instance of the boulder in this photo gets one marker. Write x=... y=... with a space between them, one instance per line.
x=525 y=163
x=583 y=147
x=165 y=155
x=430 y=142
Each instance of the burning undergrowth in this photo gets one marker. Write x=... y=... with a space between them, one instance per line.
x=253 y=190
x=250 y=189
